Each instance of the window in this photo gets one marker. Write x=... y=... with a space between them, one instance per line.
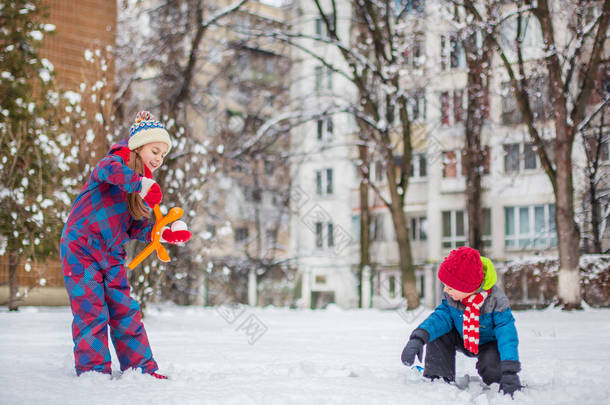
x=319 y=73
x=325 y=129
x=529 y=157
x=320 y=130
x=330 y=237
x=418 y=40
x=413 y=50
x=377 y=231
x=454 y=229
x=417 y=106
x=241 y=234
x=530 y=227
x=445 y=108
x=452 y=107
x=318 y=78
x=321 y=29
x=322 y=187
x=419 y=229
x=450 y=164
x=511 y=158
x=418 y=165
x=458 y=106
x=539 y=95
x=486 y=237
x=324 y=182
x=511 y=114
x=320 y=237
x=452 y=52
x=519 y=157
x=392 y=286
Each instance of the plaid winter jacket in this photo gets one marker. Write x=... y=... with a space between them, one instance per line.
x=100 y=210
x=496 y=321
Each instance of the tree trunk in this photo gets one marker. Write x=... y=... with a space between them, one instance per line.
x=474 y=157
x=13 y=265
x=473 y=160
x=407 y=270
x=568 y=234
x=365 y=240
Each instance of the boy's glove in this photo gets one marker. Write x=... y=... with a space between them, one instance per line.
x=509 y=382
x=178 y=233
x=151 y=192
x=415 y=346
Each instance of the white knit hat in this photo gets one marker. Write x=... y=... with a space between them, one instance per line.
x=146 y=130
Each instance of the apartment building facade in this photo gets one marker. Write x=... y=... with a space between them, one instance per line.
x=518 y=200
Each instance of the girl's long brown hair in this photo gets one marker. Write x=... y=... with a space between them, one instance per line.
x=135 y=204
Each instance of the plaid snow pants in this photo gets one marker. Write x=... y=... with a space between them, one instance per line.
x=96 y=280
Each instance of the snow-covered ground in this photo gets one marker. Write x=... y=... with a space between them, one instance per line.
x=282 y=356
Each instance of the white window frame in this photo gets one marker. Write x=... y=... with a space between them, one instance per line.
x=521 y=156
x=419 y=160
x=324 y=235
x=419 y=229
x=325 y=128
x=377 y=227
x=447 y=51
x=451 y=93
x=454 y=240
x=530 y=240
x=324 y=182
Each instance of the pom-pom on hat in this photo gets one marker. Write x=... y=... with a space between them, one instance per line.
x=462 y=270
x=146 y=130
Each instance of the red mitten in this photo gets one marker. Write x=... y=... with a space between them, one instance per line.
x=175 y=237
x=151 y=192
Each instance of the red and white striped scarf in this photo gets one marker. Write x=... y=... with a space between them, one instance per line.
x=471 y=320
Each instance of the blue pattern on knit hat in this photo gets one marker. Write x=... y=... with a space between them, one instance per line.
x=144 y=120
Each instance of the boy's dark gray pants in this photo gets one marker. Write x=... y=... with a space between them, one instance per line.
x=440 y=358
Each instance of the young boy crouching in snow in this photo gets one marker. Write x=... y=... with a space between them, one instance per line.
x=474 y=317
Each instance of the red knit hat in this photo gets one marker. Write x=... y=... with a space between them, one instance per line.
x=462 y=270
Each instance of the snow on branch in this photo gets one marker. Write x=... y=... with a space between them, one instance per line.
x=221 y=13
x=595 y=111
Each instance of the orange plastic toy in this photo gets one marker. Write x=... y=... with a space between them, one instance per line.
x=160 y=222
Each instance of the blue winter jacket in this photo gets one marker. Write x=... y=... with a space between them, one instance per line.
x=496 y=321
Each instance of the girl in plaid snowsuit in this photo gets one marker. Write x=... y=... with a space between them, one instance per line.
x=112 y=209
